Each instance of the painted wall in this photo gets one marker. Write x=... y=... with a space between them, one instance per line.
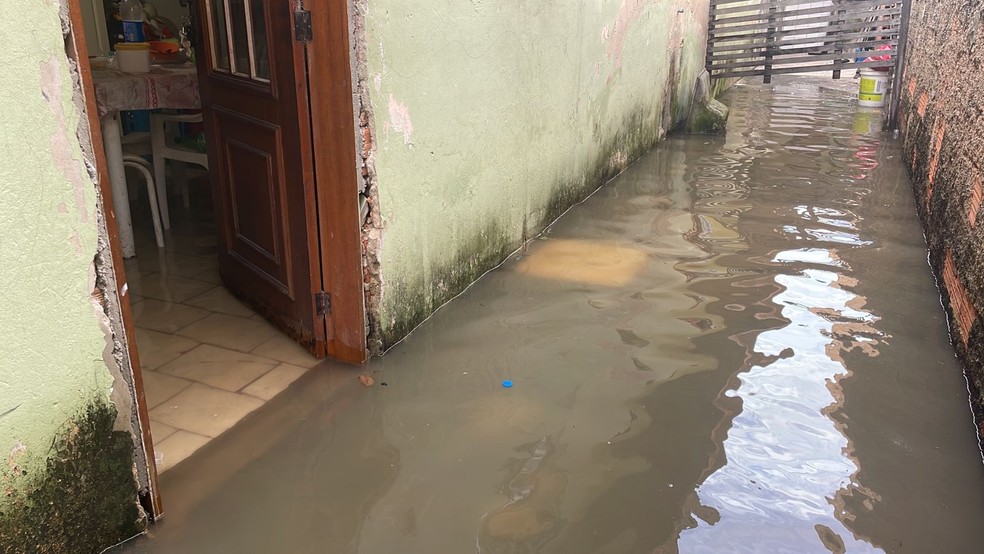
x=942 y=123
x=67 y=474
x=486 y=120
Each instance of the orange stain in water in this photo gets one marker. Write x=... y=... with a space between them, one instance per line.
x=584 y=261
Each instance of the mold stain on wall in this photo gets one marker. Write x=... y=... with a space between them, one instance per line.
x=84 y=498
x=486 y=132
x=68 y=480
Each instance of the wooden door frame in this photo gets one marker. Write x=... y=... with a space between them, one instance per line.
x=333 y=129
x=77 y=50
x=332 y=114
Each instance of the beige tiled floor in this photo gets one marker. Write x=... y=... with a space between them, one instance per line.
x=208 y=360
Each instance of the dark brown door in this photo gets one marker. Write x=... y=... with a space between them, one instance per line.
x=254 y=95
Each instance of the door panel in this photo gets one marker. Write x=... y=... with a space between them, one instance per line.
x=254 y=163
x=254 y=96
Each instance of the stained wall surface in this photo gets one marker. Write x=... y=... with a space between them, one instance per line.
x=942 y=123
x=68 y=467
x=489 y=119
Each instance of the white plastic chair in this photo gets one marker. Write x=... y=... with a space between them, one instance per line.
x=165 y=147
x=143 y=167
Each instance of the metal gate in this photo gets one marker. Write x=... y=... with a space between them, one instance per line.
x=770 y=37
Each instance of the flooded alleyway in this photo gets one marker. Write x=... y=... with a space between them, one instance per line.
x=735 y=346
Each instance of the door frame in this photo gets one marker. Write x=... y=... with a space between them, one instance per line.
x=332 y=117
x=77 y=50
x=333 y=130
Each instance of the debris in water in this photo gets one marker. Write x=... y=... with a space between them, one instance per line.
x=507 y=384
x=366 y=380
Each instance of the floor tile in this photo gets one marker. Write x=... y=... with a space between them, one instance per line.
x=133 y=280
x=283 y=349
x=203 y=245
x=166 y=317
x=156 y=348
x=158 y=388
x=219 y=367
x=236 y=333
x=275 y=382
x=205 y=410
x=160 y=431
x=209 y=276
x=220 y=300
x=170 y=288
x=174 y=449
x=131 y=265
x=174 y=263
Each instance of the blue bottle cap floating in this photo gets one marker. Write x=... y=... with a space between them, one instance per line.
x=507 y=384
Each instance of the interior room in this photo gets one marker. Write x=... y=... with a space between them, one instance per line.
x=207 y=359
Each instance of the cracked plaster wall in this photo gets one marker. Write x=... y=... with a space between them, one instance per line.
x=59 y=358
x=483 y=121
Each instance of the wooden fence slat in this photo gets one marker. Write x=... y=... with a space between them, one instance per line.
x=716 y=3
x=803 y=69
x=799 y=60
x=854 y=38
x=760 y=8
x=764 y=5
x=820 y=30
x=759 y=50
x=788 y=15
x=865 y=16
x=774 y=37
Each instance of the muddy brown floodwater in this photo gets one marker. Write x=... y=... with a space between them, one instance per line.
x=735 y=346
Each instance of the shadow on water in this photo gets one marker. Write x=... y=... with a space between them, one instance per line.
x=736 y=346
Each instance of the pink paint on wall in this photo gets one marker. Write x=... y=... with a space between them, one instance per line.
x=400 y=119
x=628 y=13
x=61 y=148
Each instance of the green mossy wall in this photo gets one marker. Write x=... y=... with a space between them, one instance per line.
x=83 y=501
x=486 y=120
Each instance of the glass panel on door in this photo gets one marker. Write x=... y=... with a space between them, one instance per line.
x=258 y=41
x=238 y=33
x=218 y=33
x=240 y=38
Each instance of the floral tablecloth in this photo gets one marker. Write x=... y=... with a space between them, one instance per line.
x=174 y=87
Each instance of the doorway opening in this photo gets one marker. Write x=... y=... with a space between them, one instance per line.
x=229 y=274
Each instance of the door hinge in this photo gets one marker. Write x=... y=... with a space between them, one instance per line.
x=302 y=26
x=322 y=303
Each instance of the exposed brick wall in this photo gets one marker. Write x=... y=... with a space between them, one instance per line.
x=942 y=123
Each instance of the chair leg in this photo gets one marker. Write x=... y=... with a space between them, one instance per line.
x=179 y=171
x=160 y=181
x=151 y=195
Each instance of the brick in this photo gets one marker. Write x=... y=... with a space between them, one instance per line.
x=963 y=309
x=923 y=103
x=938 y=131
x=974 y=204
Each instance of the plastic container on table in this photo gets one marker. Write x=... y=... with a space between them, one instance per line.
x=133 y=57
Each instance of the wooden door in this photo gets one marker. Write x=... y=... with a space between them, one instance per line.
x=255 y=100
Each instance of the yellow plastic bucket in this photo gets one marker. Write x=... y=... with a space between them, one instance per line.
x=871 y=91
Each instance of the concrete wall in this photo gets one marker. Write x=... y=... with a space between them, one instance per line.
x=67 y=473
x=483 y=121
x=942 y=121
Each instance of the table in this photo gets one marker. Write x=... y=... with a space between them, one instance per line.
x=174 y=87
